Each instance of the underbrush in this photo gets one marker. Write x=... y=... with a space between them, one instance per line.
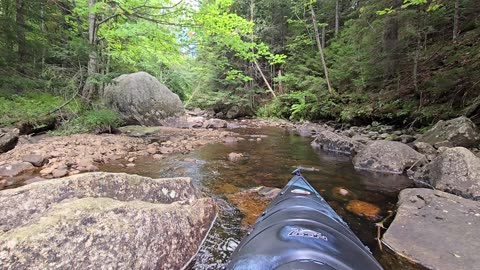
x=37 y=109
x=96 y=120
x=350 y=108
x=33 y=108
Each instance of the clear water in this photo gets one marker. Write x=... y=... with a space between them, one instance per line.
x=269 y=163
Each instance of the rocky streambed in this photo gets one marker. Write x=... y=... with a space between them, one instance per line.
x=359 y=170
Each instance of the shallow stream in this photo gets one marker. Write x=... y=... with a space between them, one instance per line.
x=272 y=154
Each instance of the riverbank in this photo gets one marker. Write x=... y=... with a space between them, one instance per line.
x=249 y=153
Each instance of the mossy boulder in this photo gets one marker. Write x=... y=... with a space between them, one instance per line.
x=460 y=131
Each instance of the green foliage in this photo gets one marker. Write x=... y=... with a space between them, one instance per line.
x=30 y=108
x=94 y=120
x=302 y=105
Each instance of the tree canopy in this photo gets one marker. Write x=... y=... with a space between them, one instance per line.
x=401 y=61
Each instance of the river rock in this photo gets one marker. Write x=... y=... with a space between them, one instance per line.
x=460 y=131
x=195 y=121
x=140 y=98
x=103 y=221
x=425 y=148
x=235 y=157
x=457 y=170
x=387 y=156
x=15 y=169
x=233 y=112
x=60 y=172
x=215 y=123
x=8 y=139
x=35 y=160
x=436 y=230
x=310 y=129
x=331 y=141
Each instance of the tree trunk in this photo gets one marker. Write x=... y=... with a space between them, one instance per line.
x=337 y=17
x=320 y=50
x=390 y=47
x=323 y=36
x=21 y=42
x=415 y=70
x=456 y=17
x=280 y=84
x=44 y=49
x=89 y=87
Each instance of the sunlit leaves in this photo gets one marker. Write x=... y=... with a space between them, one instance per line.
x=232 y=31
x=432 y=5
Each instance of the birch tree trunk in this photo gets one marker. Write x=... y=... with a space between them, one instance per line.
x=337 y=17
x=320 y=50
x=89 y=87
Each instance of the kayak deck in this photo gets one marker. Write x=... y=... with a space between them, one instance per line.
x=299 y=230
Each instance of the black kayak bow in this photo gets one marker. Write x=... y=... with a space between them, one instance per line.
x=299 y=230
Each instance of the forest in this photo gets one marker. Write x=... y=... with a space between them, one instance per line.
x=406 y=63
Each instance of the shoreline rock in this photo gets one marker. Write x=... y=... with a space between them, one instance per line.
x=457 y=171
x=103 y=220
x=387 y=157
x=66 y=155
x=436 y=230
x=460 y=131
x=8 y=139
x=331 y=141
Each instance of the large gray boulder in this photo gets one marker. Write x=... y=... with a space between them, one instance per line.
x=460 y=131
x=331 y=141
x=141 y=99
x=387 y=156
x=457 y=170
x=103 y=221
x=8 y=139
x=436 y=230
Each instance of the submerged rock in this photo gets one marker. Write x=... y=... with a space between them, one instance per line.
x=331 y=141
x=252 y=202
x=343 y=194
x=235 y=157
x=387 y=156
x=103 y=221
x=460 y=131
x=141 y=99
x=364 y=209
x=457 y=170
x=436 y=230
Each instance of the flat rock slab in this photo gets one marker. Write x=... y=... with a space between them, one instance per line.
x=103 y=221
x=435 y=229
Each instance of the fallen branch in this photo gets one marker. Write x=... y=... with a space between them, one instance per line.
x=380 y=226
